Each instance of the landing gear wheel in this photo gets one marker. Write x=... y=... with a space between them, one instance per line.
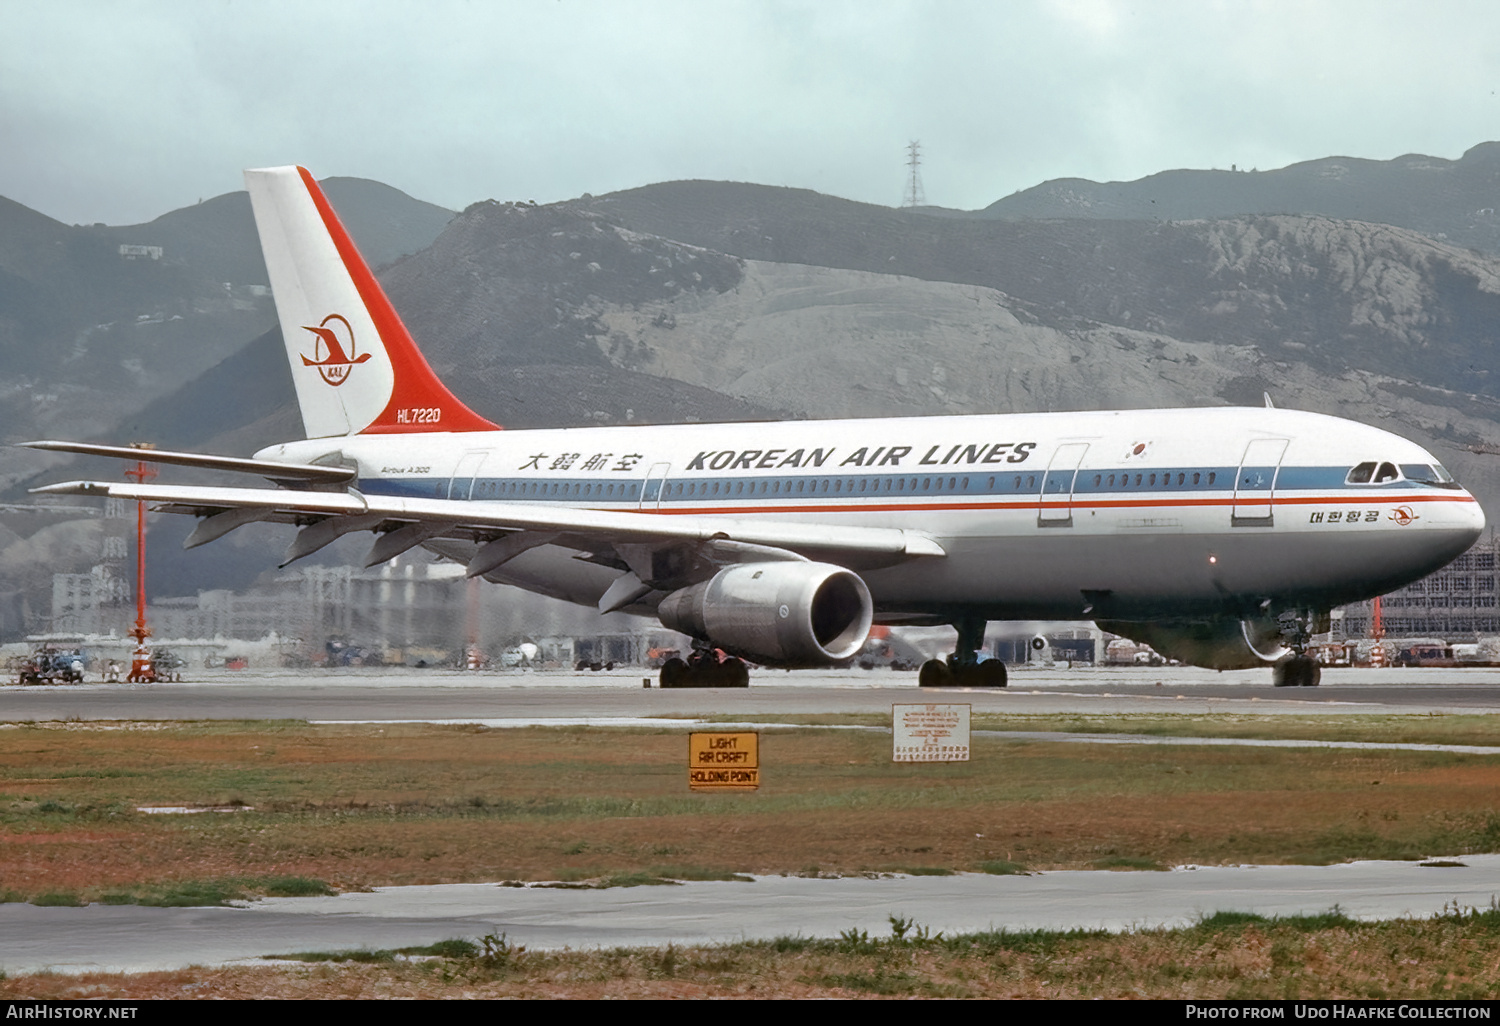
x=674 y=673
x=705 y=672
x=990 y=674
x=1296 y=671
x=934 y=674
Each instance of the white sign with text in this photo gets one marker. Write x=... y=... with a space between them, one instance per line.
x=930 y=733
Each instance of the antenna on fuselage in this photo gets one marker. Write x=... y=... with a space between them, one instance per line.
x=1269 y=405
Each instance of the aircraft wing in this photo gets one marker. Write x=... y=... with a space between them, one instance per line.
x=422 y=520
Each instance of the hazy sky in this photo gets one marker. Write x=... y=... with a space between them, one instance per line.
x=118 y=111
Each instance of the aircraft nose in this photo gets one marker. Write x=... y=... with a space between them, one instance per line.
x=1476 y=517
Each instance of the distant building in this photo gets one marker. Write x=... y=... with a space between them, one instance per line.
x=130 y=252
x=95 y=602
x=414 y=603
x=1458 y=603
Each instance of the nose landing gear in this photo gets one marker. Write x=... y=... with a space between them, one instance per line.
x=1297 y=670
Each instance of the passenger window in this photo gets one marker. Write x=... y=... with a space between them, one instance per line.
x=1361 y=474
x=1211 y=476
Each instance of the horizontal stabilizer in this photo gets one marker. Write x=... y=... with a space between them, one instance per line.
x=234 y=464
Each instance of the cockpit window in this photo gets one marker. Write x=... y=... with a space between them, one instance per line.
x=1361 y=474
x=1426 y=473
x=1387 y=472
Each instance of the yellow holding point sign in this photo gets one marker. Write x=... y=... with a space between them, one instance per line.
x=724 y=761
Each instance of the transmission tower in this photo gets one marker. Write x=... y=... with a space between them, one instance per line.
x=915 y=197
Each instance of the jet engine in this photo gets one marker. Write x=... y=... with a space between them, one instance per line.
x=784 y=614
x=1215 y=644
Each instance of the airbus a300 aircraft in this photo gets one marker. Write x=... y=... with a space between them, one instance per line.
x=1220 y=536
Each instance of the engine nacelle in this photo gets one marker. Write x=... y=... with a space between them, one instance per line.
x=1216 y=644
x=784 y=614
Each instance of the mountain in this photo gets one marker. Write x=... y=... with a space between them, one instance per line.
x=1451 y=200
x=1335 y=294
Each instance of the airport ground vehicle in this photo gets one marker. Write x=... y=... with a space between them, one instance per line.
x=1219 y=537
x=48 y=665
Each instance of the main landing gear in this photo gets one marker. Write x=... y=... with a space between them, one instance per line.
x=964 y=668
x=1298 y=670
x=705 y=668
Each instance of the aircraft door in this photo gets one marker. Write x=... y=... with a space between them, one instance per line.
x=462 y=484
x=1255 y=484
x=1055 y=504
x=654 y=486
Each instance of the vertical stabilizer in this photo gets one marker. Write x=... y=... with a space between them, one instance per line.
x=355 y=366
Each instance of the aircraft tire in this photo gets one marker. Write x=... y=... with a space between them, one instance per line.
x=1296 y=671
x=735 y=674
x=1282 y=674
x=934 y=674
x=990 y=674
x=674 y=673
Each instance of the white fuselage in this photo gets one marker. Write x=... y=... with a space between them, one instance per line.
x=1150 y=514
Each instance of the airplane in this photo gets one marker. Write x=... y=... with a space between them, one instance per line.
x=1222 y=537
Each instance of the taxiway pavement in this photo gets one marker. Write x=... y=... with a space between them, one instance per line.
x=134 y=939
x=374 y=695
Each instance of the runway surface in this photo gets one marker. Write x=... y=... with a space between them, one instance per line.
x=395 y=694
x=128 y=938
x=135 y=938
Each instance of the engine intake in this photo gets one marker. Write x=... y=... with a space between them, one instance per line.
x=784 y=614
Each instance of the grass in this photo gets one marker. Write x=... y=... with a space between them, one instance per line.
x=340 y=807
x=1227 y=955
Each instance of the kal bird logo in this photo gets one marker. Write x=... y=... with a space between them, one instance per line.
x=1403 y=515
x=335 y=355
